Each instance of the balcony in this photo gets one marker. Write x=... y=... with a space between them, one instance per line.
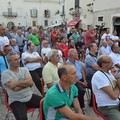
x=10 y=14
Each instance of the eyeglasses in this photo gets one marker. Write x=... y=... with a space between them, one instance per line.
x=106 y=62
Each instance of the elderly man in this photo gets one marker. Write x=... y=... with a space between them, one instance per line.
x=14 y=46
x=62 y=96
x=17 y=82
x=91 y=65
x=81 y=80
x=20 y=39
x=49 y=72
x=115 y=55
x=104 y=49
x=106 y=89
x=45 y=49
x=32 y=60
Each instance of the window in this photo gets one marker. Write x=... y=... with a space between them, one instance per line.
x=100 y=18
x=33 y=13
x=76 y=3
x=47 y=13
x=34 y=23
x=10 y=12
x=46 y=22
x=63 y=9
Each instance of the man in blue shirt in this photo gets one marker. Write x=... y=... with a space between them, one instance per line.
x=3 y=61
x=81 y=80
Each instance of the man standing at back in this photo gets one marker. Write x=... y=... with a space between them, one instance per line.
x=3 y=39
x=34 y=38
x=89 y=36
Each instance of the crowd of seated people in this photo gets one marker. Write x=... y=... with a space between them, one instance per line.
x=43 y=53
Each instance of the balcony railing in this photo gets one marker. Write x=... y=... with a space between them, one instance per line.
x=12 y=14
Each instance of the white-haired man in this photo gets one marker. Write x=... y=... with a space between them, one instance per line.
x=49 y=72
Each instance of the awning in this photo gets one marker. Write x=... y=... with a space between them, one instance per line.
x=73 y=23
x=54 y=25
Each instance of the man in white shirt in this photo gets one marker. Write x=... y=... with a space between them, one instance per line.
x=45 y=49
x=106 y=36
x=32 y=60
x=106 y=90
x=115 y=55
x=115 y=38
x=3 y=39
x=104 y=49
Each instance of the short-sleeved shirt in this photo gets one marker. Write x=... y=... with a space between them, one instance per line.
x=50 y=74
x=104 y=50
x=20 y=40
x=34 y=39
x=3 y=66
x=99 y=80
x=78 y=67
x=115 y=58
x=106 y=37
x=89 y=61
x=75 y=37
x=57 y=98
x=88 y=38
x=23 y=95
x=3 y=41
x=31 y=66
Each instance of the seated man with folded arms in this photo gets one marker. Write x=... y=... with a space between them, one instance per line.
x=62 y=96
x=17 y=81
x=32 y=61
x=106 y=89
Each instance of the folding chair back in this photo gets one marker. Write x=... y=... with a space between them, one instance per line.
x=41 y=110
x=30 y=109
x=42 y=82
x=95 y=108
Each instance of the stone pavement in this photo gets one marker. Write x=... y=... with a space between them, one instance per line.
x=88 y=110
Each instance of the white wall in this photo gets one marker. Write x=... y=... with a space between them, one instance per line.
x=101 y=5
x=23 y=10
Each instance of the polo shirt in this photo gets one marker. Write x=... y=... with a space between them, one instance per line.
x=89 y=61
x=57 y=98
x=34 y=39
